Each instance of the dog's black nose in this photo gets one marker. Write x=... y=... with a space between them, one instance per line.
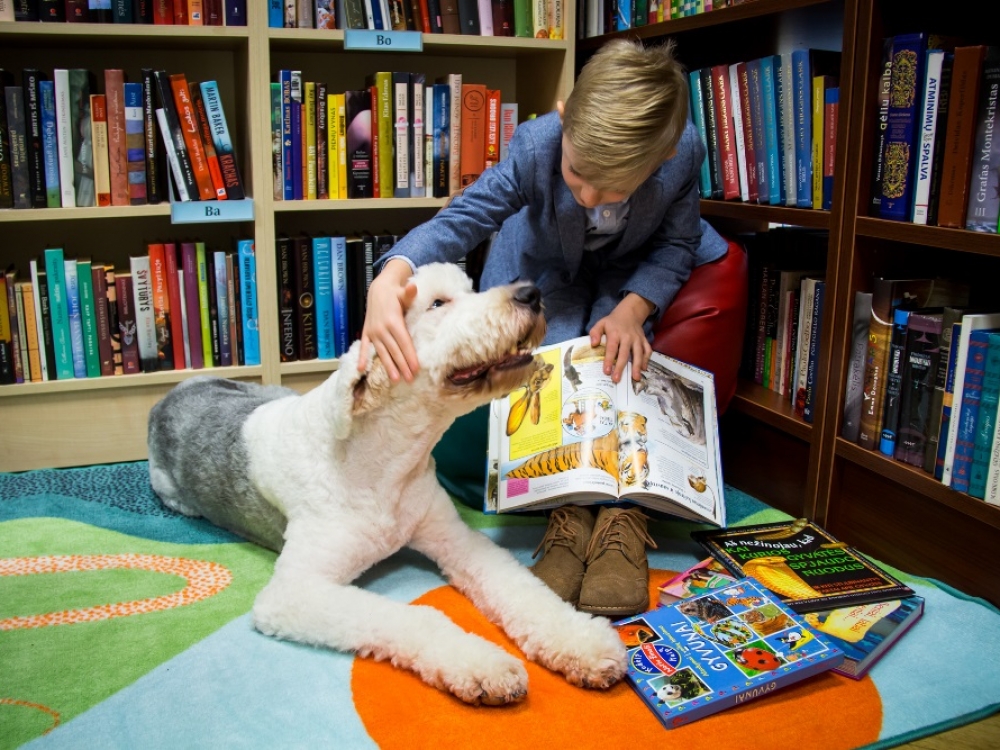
x=528 y=294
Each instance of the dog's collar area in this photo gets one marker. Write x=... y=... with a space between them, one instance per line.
x=477 y=372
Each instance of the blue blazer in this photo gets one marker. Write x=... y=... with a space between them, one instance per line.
x=540 y=227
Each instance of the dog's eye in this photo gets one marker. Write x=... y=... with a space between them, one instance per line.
x=438 y=303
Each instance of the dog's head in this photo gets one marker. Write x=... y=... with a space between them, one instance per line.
x=472 y=347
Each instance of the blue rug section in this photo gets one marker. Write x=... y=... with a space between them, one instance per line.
x=117 y=497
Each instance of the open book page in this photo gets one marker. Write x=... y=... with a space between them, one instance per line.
x=571 y=435
x=668 y=441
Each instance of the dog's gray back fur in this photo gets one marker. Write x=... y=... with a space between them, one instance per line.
x=196 y=445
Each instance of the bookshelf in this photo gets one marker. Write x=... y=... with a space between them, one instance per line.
x=65 y=423
x=892 y=511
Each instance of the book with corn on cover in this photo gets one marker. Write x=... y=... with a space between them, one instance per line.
x=802 y=563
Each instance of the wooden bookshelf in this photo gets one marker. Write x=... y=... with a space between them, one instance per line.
x=80 y=422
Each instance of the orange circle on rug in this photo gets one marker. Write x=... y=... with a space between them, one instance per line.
x=402 y=713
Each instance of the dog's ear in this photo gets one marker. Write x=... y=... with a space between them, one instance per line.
x=357 y=392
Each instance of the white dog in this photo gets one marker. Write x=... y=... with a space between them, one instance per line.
x=341 y=477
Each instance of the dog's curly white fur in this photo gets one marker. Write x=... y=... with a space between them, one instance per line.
x=341 y=477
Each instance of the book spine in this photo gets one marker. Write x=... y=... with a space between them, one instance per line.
x=153 y=148
x=322 y=142
x=296 y=172
x=17 y=135
x=383 y=134
x=160 y=300
x=30 y=80
x=340 y=304
x=359 y=155
x=454 y=81
x=442 y=137
x=114 y=88
x=305 y=287
x=221 y=293
x=88 y=317
x=46 y=350
x=25 y=298
x=724 y=129
x=114 y=323
x=472 y=150
x=738 y=136
x=772 y=143
x=235 y=310
x=418 y=133
x=248 y=301
x=145 y=321
x=55 y=271
x=309 y=140
x=75 y=318
x=960 y=135
x=14 y=365
x=99 y=283
x=341 y=146
x=99 y=133
x=947 y=404
x=286 y=301
x=893 y=382
x=173 y=137
x=984 y=198
x=986 y=419
x=214 y=353
x=64 y=137
x=899 y=155
x=819 y=85
x=135 y=145
x=937 y=166
x=879 y=332
x=6 y=178
x=211 y=155
x=222 y=140
x=755 y=87
x=192 y=306
x=831 y=110
x=192 y=137
x=50 y=147
x=786 y=121
x=698 y=116
x=928 y=131
x=205 y=293
x=802 y=104
x=127 y=323
x=969 y=410
x=173 y=157
x=322 y=273
x=403 y=134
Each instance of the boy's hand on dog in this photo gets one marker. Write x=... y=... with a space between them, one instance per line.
x=624 y=337
x=389 y=296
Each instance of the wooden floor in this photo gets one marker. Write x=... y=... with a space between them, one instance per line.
x=983 y=735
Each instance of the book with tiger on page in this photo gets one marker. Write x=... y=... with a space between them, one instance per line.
x=572 y=435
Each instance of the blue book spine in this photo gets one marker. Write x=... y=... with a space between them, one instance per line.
x=947 y=404
x=698 y=117
x=832 y=99
x=297 y=155
x=802 y=108
x=236 y=12
x=55 y=274
x=135 y=142
x=285 y=79
x=809 y=410
x=323 y=297
x=772 y=142
x=247 y=260
x=442 y=139
x=50 y=145
x=623 y=17
x=894 y=382
x=755 y=87
x=986 y=420
x=899 y=153
x=75 y=319
x=968 y=410
x=275 y=14
x=342 y=338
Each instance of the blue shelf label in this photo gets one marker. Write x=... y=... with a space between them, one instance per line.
x=208 y=212
x=383 y=41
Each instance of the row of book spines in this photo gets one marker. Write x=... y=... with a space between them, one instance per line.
x=937 y=139
x=159 y=12
x=769 y=126
x=415 y=147
x=622 y=15
x=542 y=19
x=80 y=319
x=51 y=121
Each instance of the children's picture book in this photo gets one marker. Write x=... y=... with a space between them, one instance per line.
x=802 y=563
x=865 y=632
x=571 y=435
x=706 y=575
x=702 y=655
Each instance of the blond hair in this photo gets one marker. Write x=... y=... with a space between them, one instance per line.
x=626 y=113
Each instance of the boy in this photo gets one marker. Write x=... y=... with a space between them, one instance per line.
x=597 y=203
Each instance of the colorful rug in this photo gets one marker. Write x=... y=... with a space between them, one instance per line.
x=124 y=625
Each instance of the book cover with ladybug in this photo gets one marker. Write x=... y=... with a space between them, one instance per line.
x=702 y=655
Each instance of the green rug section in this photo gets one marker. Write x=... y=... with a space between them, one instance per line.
x=109 y=654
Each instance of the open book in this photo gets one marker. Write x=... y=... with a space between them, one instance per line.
x=571 y=435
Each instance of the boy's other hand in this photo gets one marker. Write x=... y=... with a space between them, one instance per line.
x=389 y=296
x=624 y=337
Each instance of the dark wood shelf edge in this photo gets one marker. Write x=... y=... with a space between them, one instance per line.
x=919 y=481
x=918 y=234
x=771 y=408
x=757 y=213
x=728 y=15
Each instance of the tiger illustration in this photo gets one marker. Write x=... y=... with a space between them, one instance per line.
x=601 y=453
x=634 y=466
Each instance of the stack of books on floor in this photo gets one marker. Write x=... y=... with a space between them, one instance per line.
x=774 y=604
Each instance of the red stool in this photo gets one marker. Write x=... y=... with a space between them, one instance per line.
x=704 y=325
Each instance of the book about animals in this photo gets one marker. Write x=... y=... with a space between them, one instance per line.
x=703 y=655
x=572 y=435
x=865 y=632
x=802 y=563
x=705 y=575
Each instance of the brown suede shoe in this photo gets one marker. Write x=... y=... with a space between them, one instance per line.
x=616 y=582
x=565 y=545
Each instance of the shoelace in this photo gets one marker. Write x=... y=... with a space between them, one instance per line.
x=614 y=532
x=561 y=532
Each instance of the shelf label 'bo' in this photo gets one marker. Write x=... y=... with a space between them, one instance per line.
x=383 y=41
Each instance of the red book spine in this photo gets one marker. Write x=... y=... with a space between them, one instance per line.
x=192 y=138
x=126 y=323
x=189 y=265
x=727 y=138
x=205 y=130
x=176 y=319
x=163 y=12
x=114 y=93
x=749 y=142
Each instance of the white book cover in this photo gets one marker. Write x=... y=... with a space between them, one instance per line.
x=969 y=324
x=64 y=137
x=401 y=131
x=992 y=494
x=184 y=316
x=807 y=292
x=572 y=435
x=928 y=128
x=737 y=112
x=417 y=184
x=6 y=11
x=485 y=17
x=145 y=318
x=175 y=175
x=428 y=140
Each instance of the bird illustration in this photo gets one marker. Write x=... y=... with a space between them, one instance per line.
x=570 y=372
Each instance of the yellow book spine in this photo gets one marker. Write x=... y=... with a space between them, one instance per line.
x=332 y=156
x=819 y=86
x=386 y=134
x=309 y=123
x=203 y=292
x=341 y=148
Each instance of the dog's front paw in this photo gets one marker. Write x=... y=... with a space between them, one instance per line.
x=483 y=673
x=589 y=653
